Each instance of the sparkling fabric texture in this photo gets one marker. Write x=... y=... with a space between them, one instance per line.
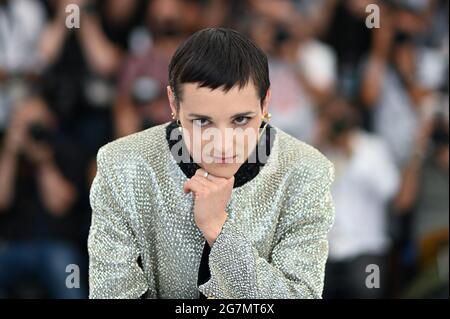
x=143 y=239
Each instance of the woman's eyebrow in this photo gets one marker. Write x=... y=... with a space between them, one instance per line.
x=200 y=116
x=209 y=117
x=243 y=114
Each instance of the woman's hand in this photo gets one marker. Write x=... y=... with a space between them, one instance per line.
x=211 y=195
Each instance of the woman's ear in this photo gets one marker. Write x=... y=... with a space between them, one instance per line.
x=172 y=101
x=265 y=108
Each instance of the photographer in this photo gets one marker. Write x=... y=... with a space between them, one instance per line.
x=21 y=24
x=41 y=184
x=141 y=101
x=366 y=181
x=82 y=64
x=399 y=77
x=423 y=197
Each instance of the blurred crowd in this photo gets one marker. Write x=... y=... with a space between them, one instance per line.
x=374 y=100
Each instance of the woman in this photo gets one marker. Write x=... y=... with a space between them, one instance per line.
x=217 y=203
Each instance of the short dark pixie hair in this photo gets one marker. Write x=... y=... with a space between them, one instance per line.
x=218 y=58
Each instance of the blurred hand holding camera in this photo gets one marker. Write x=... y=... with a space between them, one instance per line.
x=27 y=135
x=30 y=117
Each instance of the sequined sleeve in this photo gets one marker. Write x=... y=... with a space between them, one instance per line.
x=296 y=265
x=113 y=252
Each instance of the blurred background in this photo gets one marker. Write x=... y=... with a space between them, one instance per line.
x=374 y=100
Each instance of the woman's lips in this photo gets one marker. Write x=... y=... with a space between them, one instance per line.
x=224 y=160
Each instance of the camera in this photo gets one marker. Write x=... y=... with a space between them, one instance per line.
x=38 y=132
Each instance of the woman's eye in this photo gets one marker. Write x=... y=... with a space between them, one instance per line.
x=241 y=120
x=200 y=122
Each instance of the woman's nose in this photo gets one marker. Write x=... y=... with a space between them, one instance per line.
x=224 y=143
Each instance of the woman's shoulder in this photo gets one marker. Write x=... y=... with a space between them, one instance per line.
x=301 y=158
x=133 y=147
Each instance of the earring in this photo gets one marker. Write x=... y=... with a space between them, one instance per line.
x=179 y=126
x=266 y=117
x=178 y=121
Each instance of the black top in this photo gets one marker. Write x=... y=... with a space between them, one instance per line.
x=246 y=172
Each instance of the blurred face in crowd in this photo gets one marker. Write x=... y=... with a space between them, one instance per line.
x=408 y=22
x=274 y=10
x=120 y=10
x=336 y=125
x=357 y=7
x=165 y=17
x=262 y=33
x=220 y=128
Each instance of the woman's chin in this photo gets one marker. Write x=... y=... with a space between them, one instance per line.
x=225 y=170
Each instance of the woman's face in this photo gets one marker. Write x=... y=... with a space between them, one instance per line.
x=220 y=128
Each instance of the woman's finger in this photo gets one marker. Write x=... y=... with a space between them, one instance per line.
x=194 y=186
x=204 y=181
x=201 y=172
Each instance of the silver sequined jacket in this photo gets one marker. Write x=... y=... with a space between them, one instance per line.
x=143 y=239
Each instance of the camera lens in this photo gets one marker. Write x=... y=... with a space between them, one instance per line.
x=37 y=132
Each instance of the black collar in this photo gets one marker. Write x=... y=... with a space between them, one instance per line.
x=246 y=172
